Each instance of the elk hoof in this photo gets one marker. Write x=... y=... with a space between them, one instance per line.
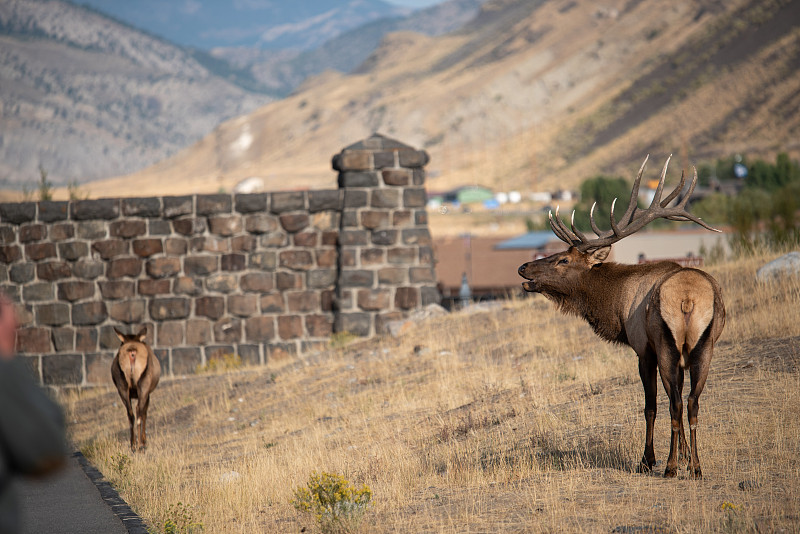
x=670 y=472
x=696 y=473
x=645 y=466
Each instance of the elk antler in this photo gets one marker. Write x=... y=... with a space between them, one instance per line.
x=634 y=218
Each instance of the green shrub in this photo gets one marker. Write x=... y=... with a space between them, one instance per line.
x=336 y=505
x=218 y=364
x=180 y=520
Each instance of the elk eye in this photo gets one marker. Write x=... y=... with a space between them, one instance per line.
x=562 y=261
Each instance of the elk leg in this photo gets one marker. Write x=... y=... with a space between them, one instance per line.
x=683 y=451
x=648 y=372
x=698 y=375
x=144 y=402
x=131 y=419
x=671 y=383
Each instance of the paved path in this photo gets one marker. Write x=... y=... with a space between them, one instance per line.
x=76 y=500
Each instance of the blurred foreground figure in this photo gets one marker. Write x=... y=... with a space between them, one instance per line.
x=32 y=437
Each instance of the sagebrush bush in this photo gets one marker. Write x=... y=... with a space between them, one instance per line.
x=337 y=506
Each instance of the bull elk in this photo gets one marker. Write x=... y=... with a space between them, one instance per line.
x=669 y=315
x=135 y=371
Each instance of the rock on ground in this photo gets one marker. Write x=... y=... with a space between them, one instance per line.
x=786 y=265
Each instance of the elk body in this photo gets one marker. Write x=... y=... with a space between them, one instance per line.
x=135 y=371
x=670 y=315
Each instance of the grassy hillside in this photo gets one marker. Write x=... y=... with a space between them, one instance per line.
x=512 y=419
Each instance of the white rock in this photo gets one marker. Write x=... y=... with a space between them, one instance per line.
x=230 y=476
x=254 y=184
x=396 y=328
x=786 y=265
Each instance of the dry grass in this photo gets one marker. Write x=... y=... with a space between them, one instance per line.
x=511 y=420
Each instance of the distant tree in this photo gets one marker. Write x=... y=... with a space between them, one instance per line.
x=45 y=187
x=603 y=190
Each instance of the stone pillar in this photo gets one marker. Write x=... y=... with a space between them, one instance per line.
x=385 y=250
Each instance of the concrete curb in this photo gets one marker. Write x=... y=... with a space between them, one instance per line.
x=130 y=519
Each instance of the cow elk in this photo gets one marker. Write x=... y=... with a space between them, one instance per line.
x=669 y=315
x=135 y=371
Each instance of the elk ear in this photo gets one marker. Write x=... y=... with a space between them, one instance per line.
x=598 y=255
x=120 y=335
x=141 y=334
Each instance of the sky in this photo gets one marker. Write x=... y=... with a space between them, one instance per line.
x=414 y=3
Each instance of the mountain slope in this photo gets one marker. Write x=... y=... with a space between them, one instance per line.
x=86 y=96
x=534 y=95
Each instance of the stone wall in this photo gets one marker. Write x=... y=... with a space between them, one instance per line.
x=258 y=275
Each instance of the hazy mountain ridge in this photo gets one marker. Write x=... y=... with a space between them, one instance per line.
x=87 y=96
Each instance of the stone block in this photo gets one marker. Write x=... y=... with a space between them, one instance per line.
x=89 y=313
x=294 y=222
x=419 y=176
x=359 y=323
x=285 y=280
x=274 y=239
x=243 y=305
x=153 y=287
x=29 y=233
x=279 y=351
x=33 y=340
x=218 y=352
x=108 y=339
x=176 y=246
x=122 y=267
x=62 y=369
x=430 y=295
x=91 y=230
x=12 y=253
x=421 y=275
x=272 y=303
x=60 y=232
x=330 y=199
x=198 y=332
x=373 y=256
x=426 y=256
x=169 y=334
x=232 y=262
x=348 y=257
x=8 y=234
x=401 y=255
x=110 y=248
x=406 y=298
x=385 y=198
x=17 y=212
x=358 y=179
x=97 y=368
x=373 y=299
x=392 y=276
x=86 y=341
x=251 y=203
x=321 y=278
x=183 y=285
x=55 y=314
x=225 y=225
x=200 y=265
x=213 y=204
x=25 y=316
x=211 y=307
x=306 y=239
x=383 y=159
x=228 y=330
x=296 y=259
x=127 y=228
x=164 y=309
x=355 y=198
x=374 y=219
x=395 y=176
x=265 y=261
x=384 y=237
x=163 y=267
x=223 y=282
x=352 y=160
x=129 y=311
x=186 y=360
x=257 y=282
x=417 y=236
x=353 y=238
x=382 y=321
x=159 y=227
x=288 y=201
x=38 y=291
x=177 y=206
x=63 y=339
x=302 y=301
x=290 y=326
x=326 y=257
x=189 y=226
x=319 y=325
x=144 y=248
x=21 y=273
x=76 y=290
x=209 y=244
x=356 y=278
x=402 y=218
x=250 y=354
x=38 y=251
x=261 y=223
x=141 y=207
x=243 y=243
x=413 y=158
x=330 y=238
x=414 y=198
x=85 y=210
x=350 y=219
x=73 y=250
x=52 y=211
x=53 y=270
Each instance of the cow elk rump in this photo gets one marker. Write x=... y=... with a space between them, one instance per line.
x=670 y=315
x=135 y=371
